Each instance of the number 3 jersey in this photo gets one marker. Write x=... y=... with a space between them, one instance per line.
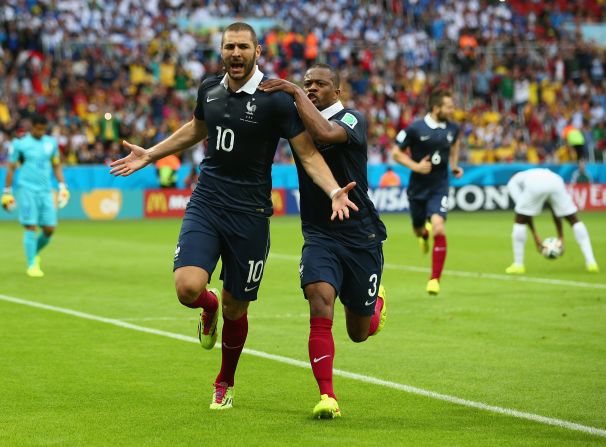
x=244 y=128
x=427 y=137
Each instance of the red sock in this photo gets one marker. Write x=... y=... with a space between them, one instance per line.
x=206 y=300
x=439 y=255
x=322 y=353
x=233 y=339
x=376 y=317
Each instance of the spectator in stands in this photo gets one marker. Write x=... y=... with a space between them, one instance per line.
x=389 y=179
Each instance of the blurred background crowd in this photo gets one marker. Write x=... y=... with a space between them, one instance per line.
x=529 y=84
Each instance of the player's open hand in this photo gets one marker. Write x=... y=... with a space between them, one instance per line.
x=341 y=203
x=424 y=166
x=137 y=159
x=278 y=85
x=458 y=172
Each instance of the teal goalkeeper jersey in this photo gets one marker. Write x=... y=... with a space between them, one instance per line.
x=36 y=158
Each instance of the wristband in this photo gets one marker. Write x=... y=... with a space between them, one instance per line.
x=334 y=192
x=8 y=190
x=62 y=186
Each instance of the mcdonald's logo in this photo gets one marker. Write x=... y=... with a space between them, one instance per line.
x=156 y=203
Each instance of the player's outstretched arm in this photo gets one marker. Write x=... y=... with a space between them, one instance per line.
x=321 y=130
x=403 y=157
x=315 y=165
x=185 y=137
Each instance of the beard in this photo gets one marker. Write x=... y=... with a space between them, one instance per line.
x=442 y=117
x=247 y=68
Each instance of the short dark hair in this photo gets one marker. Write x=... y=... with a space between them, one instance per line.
x=241 y=26
x=437 y=96
x=36 y=118
x=334 y=74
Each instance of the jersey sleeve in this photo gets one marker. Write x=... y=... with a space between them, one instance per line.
x=199 y=110
x=355 y=126
x=289 y=122
x=14 y=151
x=405 y=137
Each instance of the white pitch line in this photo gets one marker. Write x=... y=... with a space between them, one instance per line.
x=479 y=275
x=301 y=364
x=250 y=317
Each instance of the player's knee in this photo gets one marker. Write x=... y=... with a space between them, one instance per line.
x=438 y=229
x=232 y=308
x=321 y=301
x=187 y=289
x=356 y=335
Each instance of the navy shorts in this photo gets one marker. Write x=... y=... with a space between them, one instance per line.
x=355 y=273
x=435 y=202
x=240 y=239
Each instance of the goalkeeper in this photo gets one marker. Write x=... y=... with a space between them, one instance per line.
x=37 y=153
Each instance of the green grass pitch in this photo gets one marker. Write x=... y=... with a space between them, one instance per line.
x=537 y=346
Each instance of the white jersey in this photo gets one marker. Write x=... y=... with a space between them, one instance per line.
x=530 y=189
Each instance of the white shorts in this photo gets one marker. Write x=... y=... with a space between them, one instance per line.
x=551 y=189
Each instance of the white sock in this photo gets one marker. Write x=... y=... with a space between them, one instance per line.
x=518 y=238
x=582 y=236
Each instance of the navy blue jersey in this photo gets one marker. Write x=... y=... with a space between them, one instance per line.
x=347 y=161
x=427 y=137
x=243 y=132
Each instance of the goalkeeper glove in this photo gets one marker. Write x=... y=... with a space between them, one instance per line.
x=8 y=201
x=63 y=195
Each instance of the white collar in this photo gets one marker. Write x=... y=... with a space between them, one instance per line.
x=331 y=111
x=251 y=85
x=433 y=124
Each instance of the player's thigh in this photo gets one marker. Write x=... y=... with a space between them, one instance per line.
x=320 y=263
x=47 y=212
x=362 y=272
x=199 y=243
x=437 y=205
x=561 y=202
x=244 y=250
x=418 y=212
x=27 y=206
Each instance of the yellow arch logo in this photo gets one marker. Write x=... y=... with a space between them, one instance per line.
x=102 y=204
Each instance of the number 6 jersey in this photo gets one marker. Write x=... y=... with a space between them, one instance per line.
x=244 y=128
x=427 y=137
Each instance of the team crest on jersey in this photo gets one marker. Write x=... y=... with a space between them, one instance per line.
x=449 y=137
x=350 y=120
x=48 y=147
x=250 y=108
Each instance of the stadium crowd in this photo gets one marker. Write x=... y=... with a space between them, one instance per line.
x=528 y=87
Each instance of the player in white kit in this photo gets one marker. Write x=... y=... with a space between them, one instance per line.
x=530 y=190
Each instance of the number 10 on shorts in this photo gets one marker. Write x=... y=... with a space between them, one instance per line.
x=255 y=271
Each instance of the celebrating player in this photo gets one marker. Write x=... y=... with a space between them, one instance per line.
x=228 y=214
x=37 y=153
x=529 y=190
x=339 y=258
x=426 y=147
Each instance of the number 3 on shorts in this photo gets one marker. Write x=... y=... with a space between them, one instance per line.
x=373 y=282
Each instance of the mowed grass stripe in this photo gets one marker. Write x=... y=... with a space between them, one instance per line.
x=479 y=275
x=359 y=377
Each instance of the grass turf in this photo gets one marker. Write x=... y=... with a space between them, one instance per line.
x=533 y=347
